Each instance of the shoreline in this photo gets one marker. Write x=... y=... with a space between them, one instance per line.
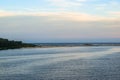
x=37 y=46
x=6 y=44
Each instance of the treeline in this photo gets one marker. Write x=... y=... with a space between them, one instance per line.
x=7 y=44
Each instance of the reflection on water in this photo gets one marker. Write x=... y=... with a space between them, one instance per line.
x=62 y=63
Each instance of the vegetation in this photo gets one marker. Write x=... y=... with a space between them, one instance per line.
x=7 y=44
x=87 y=44
x=11 y=44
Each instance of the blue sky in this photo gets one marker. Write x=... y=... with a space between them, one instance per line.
x=60 y=20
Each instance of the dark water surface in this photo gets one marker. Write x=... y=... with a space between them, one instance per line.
x=61 y=63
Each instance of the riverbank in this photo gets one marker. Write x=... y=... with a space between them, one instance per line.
x=11 y=44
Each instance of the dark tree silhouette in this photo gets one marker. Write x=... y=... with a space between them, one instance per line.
x=7 y=44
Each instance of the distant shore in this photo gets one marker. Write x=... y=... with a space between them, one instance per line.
x=74 y=44
x=53 y=46
x=8 y=44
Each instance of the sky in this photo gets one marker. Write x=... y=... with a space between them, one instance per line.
x=42 y=21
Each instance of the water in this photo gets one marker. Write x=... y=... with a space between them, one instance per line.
x=61 y=63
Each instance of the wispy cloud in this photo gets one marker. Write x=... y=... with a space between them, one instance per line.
x=115 y=13
x=101 y=6
x=110 y=5
x=73 y=16
x=66 y=3
x=4 y=13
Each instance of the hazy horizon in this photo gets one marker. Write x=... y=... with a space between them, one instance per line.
x=60 y=21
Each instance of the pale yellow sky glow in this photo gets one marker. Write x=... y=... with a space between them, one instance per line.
x=75 y=16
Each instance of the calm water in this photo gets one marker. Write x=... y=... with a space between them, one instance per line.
x=61 y=63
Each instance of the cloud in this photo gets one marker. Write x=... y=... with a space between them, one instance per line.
x=110 y=5
x=66 y=3
x=115 y=13
x=73 y=16
x=101 y=6
x=41 y=28
x=4 y=13
x=114 y=3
